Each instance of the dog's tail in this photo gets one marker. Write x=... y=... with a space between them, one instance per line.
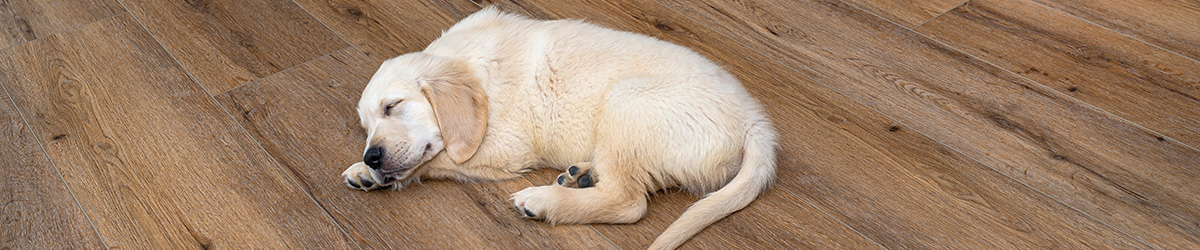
x=756 y=174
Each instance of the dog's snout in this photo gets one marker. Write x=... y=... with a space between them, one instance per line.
x=373 y=157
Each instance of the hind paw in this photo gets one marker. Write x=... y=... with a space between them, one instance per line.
x=577 y=176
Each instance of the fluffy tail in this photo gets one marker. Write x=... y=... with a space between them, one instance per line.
x=756 y=174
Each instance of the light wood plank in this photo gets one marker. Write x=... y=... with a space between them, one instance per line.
x=1099 y=164
x=838 y=154
x=907 y=13
x=36 y=208
x=305 y=118
x=1147 y=85
x=1174 y=25
x=153 y=160
x=383 y=29
x=23 y=21
x=226 y=43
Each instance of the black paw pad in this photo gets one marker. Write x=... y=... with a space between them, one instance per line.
x=573 y=170
x=524 y=212
x=586 y=181
x=367 y=183
x=348 y=181
x=562 y=179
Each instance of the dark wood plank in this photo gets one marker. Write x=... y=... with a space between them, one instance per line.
x=383 y=29
x=1170 y=24
x=152 y=159
x=305 y=118
x=226 y=43
x=907 y=13
x=1102 y=165
x=1147 y=85
x=838 y=154
x=36 y=208
x=23 y=21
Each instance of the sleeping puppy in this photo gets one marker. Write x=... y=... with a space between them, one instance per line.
x=622 y=114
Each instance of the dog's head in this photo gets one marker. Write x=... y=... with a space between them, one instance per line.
x=417 y=106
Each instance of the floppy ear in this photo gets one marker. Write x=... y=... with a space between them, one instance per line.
x=461 y=108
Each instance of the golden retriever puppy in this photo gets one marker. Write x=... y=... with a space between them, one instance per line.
x=623 y=115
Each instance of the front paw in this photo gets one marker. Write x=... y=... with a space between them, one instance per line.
x=359 y=176
x=536 y=202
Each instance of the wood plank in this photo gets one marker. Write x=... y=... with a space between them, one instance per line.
x=226 y=43
x=23 y=21
x=837 y=154
x=153 y=160
x=1170 y=24
x=907 y=13
x=37 y=210
x=1147 y=85
x=383 y=29
x=1109 y=169
x=305 y=118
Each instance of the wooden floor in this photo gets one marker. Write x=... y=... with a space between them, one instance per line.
x=905 y=124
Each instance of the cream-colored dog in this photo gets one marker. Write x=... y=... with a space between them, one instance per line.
x=622 y=114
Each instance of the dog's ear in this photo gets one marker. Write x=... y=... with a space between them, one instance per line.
x=460 y=105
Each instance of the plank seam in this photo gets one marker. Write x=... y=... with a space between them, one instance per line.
x=243 y=129
x=276 y=73
x=1039 y=191
x=314 y=17
x=956 y=150
x=46 y=153
x=1059 y=93
x=1114 y=31
x=930 y=19
x=72 y=28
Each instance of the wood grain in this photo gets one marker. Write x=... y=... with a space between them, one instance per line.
x=226 y=43
x=153 y=160
x=1170 y=24
x=837 y=154
x=1147 y=85
x=23 y=21
x=1114 y=171
x=383 y=29
x=907 y=13
x=305 y=118
x=37 y=210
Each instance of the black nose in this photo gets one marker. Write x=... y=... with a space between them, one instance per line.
x=373 y=157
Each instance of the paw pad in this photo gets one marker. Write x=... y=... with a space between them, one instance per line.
x=525 y=213
x=577 y=176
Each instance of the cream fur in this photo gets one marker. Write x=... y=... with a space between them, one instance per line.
x=643 y=114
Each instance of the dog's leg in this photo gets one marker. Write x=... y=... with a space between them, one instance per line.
x=578 y=175
x=611 y=201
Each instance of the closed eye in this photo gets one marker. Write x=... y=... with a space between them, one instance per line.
x=387 y=110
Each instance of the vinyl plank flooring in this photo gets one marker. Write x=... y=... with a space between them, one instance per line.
x=152 y=159
x=227 y=43
x=383 y=29
x=1109 y=169
x=36 y=208
x=23 y=21
x=1147 y=85
x=1170 y=24
x=837 y=154
x=306 y=118
x=907 y=13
